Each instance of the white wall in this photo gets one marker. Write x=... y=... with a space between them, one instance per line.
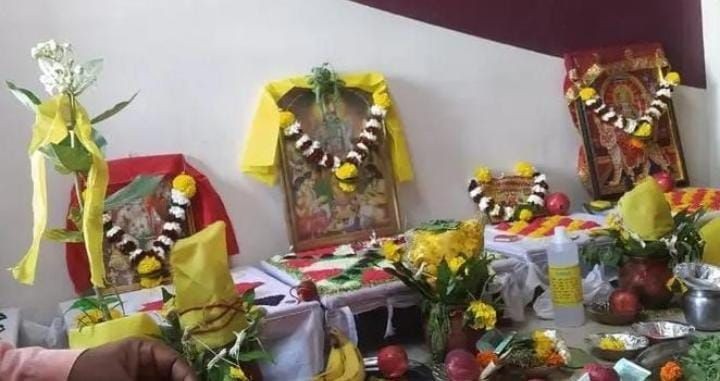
x=199 y=65
x=711 y=33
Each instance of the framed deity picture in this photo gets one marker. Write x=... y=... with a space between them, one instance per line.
x=142 y=219
x=318 y=212
x=611 y=161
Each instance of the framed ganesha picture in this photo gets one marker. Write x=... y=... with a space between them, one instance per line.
x=320 y=210
x=620 y=101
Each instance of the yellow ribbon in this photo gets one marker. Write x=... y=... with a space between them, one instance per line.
x=260 y=156
x=51 y=127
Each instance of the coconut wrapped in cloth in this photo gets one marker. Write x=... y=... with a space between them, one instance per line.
x=210 y=309
x=646 y=212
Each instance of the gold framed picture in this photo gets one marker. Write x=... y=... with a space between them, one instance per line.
x=318 y=212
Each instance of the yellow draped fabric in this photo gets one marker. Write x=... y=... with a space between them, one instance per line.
x=645 y=211
x=50 y=126
x=260 y=155
x=205 y=296
x=710 y=233
x=139 y=325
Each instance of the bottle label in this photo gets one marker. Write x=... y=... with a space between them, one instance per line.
x=566 y=285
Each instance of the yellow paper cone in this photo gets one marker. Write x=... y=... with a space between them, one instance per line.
x=646 y=212
x=710 y=233
x=205 y=296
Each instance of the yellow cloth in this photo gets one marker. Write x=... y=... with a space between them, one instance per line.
x=203 y=285
x=136 y=325
x=710 y=233
x=260 y=156
x=51 y=127
x=645 y=211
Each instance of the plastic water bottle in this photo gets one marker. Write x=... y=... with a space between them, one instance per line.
x=565 y=280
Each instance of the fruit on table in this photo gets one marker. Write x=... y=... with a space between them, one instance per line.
x=344 y=361
x=599 y=372
x=624 y=302
x=460 y=365
x=665 y=180
x=557 y=203
x=393 y=361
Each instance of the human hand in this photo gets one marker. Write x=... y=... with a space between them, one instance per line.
x=131 y=360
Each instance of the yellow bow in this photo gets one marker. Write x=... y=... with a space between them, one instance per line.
x=51 y=127
x=260 y=155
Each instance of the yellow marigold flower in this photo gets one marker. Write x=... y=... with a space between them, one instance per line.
x=673 y=78
x=610 y=343
x=525 y=215
x=148 y=265
x=94 y=316
x=186 y=184
x=524 y=169
x=483 y=175
x=346 y=171
x=483 y=315
x=286 y=118
x=347 y=187
x=587 y=93
x=150 y=282
x=455 y=263
x=392 y=251
x=382 y=99
x=644 y=130
x=236 y=373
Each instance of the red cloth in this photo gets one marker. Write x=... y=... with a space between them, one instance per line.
x=207 y=207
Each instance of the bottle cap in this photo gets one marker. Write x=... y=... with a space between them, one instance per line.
x=560 y=235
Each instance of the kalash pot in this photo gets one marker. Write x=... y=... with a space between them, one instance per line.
x=702 y=309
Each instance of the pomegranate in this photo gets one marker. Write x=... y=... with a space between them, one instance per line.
x=460 y=365
x=393 y=361
x=557 y=203
x=647 y=277
x=665 y=180
x=624 y=302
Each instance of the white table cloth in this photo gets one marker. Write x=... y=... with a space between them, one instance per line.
x=293 y=332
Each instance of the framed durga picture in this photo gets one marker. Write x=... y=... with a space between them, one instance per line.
x=628 y=87
x=319 y=211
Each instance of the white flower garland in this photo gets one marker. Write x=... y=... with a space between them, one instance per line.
x=367 y=140
x=641 y=126
x=162 y=245
x=495 y=210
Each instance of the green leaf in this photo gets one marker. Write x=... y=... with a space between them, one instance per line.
x=99 y=139
x=257 y=355
x=25 y=96
x=114 y=110
x=579 y=358
x=439 y=225
x=84 y=304
x=140 y=187
x=74 y=159
x=75 y=216
x=166 y=295
x=64 y=235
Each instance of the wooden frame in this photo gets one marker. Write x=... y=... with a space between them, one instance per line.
x=373 y=208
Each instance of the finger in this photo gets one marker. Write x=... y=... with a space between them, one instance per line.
x=170 y=365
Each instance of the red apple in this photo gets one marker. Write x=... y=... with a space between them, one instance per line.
x=557 y=203
x=665 y=180
x=393 y=361
x=599 y=372
x=624 y=302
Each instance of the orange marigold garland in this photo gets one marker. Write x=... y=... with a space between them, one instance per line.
x=150 y=264
x=671 y=371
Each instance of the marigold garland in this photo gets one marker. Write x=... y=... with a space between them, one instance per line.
x=487 y=204
x=346 y=170
x=641 y=127
x=149 y=263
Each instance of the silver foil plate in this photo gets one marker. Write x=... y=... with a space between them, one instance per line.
x=663 y=329
x=631 y=342
x=699 y=276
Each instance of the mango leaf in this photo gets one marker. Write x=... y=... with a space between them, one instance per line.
x=64 y=235
x=74 y=159
x=166 y=295
x=114 y=110
x=25 y=96
x=254 y=356
x=140 y=187
x=84 y=304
